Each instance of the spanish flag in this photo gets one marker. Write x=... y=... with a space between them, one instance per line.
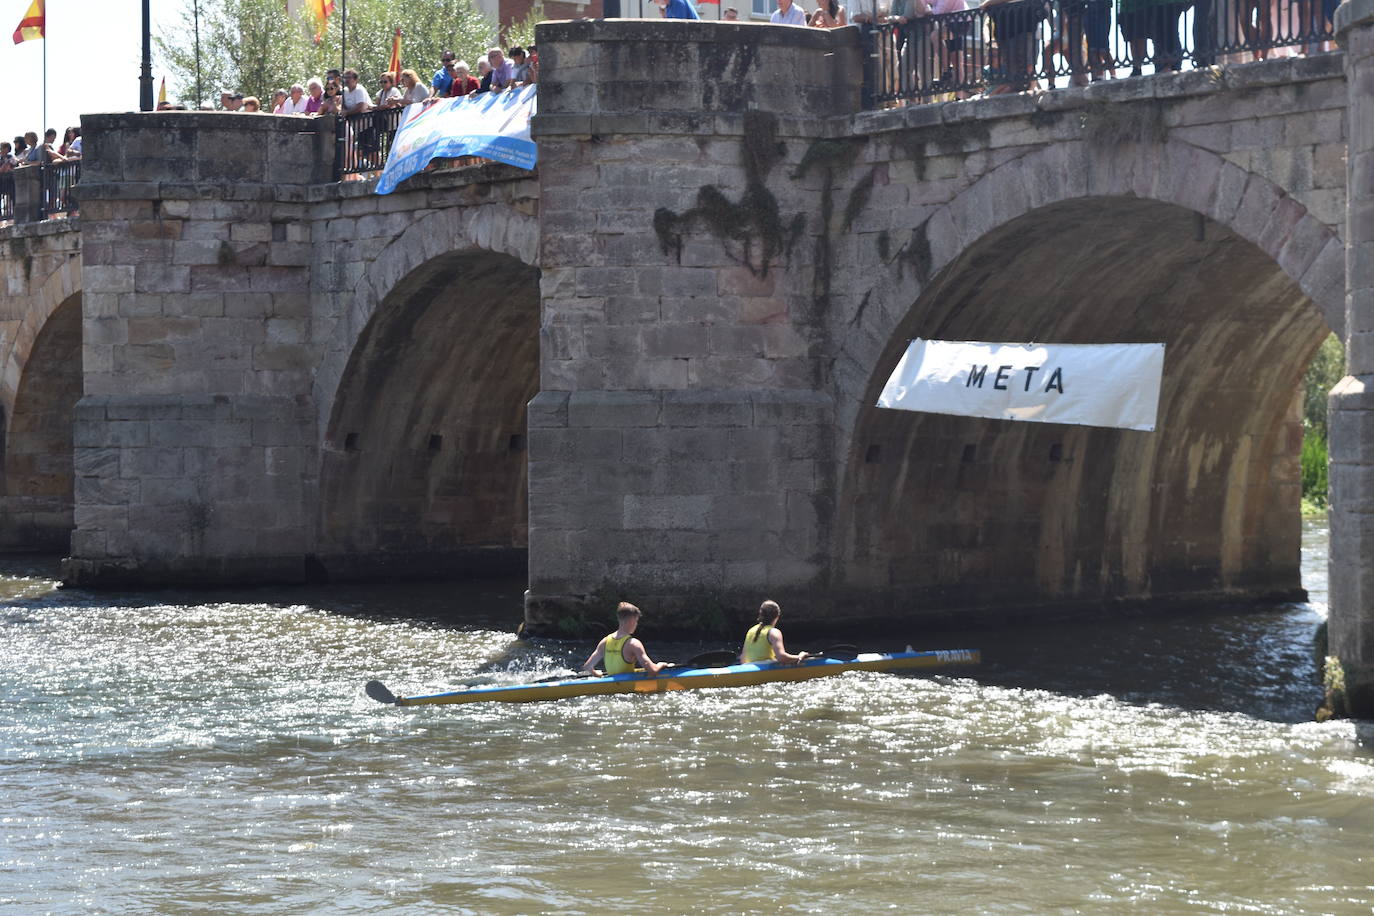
x=31 y=26
x=320 y=9
x=395 y=66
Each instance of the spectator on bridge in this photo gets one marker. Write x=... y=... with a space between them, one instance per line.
x=7 y=161
x=730 y=15
x=251 y=105
x=71 y=134
x=231 y=101
x=74 y=145
x=676 y=9
x=329 y=101
x=483 y=75
x=787 y=13
x=315 y=90
x=1016 y=29
x=412 y=90
x=296 y=101
x=21 y=149
x=355 y=99
x=1156 y=21
x=389 y=96
x=443 y=77
x=502 y=70
x=829 y=15
x=31 y=144
x=464 y=83
x=520 y=66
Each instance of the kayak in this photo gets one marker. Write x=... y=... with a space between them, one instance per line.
x=683 y=678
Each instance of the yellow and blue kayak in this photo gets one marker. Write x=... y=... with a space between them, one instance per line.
x=683 y=678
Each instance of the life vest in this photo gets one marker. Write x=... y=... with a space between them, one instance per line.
x=757 y=648
x=615 y=655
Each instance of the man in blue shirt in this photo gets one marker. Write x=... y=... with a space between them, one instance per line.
x=677 y=9
x=443 y=77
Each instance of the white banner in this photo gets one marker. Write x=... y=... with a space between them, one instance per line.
x=493 y=125
x=1113 y=385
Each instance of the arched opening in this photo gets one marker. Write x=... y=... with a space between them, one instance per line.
x=424 y=467
x=942 y=513
x=39 y=473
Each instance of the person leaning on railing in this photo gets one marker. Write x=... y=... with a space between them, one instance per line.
x=1016 y=29
x=412 y=90
x=1155 y=21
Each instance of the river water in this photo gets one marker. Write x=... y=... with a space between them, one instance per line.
x=185 y=753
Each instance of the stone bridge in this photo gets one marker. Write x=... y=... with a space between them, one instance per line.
x=698 y=296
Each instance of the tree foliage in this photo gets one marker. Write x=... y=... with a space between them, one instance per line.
x=255 y=46
x=1326 y=369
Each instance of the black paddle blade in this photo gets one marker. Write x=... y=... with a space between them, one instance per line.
x=377 y=690
x=720 y=658
x=843 y=653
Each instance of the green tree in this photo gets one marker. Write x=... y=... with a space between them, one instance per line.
x=255 y=46
x=521 y=34
x=1326 y=369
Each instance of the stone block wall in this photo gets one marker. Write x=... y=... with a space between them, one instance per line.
x=1352 y=401
x=680 y=445
x=195 y=441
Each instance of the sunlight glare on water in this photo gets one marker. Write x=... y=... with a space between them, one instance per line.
x=170 y=754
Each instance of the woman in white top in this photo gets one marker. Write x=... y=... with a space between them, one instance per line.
x=389 y=96
x=413 y=90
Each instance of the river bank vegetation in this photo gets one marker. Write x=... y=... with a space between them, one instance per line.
x=1327 y=368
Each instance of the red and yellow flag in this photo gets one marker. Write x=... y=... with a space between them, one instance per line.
x=320 y=9
x=31 y=26
x=395 y=66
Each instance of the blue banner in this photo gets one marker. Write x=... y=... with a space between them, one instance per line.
x=493 y=125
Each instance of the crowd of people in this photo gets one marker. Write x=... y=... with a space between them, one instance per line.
x=930 y=46
x=26 y=150
x=342 y=92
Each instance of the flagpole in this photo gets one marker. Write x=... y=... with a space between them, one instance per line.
x=145 y=79
x=195 y=11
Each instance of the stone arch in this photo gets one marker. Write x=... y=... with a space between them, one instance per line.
x=423 y=467
x=495 y=228
x=947 y=512
x=39 y=475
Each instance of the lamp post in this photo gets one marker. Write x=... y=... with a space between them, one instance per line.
x=145 y=79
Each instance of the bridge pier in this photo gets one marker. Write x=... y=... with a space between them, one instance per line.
x=195 y=442
x=1351 y=622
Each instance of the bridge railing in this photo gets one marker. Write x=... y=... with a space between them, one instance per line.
x=59 y=185
x=6 y=197
x=365 y=140
x=1023 y=43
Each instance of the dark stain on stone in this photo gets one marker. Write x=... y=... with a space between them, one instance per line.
x=1115 y=123
x=226 y=256
x=858 y=198
x=884 y=245
x=915 y=254
x=945 y=139
x=755 y=223
x=863 y=306
x=1042 y=120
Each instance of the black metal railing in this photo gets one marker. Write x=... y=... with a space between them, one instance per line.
x=6 y=196
x=59 y=184
x=1026 y=43
x=367 y=140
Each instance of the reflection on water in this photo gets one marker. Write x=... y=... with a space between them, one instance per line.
x=169 y=753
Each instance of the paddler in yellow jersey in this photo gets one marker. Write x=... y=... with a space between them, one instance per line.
x=620 y=652
x=763 y=642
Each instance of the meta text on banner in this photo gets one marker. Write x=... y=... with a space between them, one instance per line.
x=1113 y=385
